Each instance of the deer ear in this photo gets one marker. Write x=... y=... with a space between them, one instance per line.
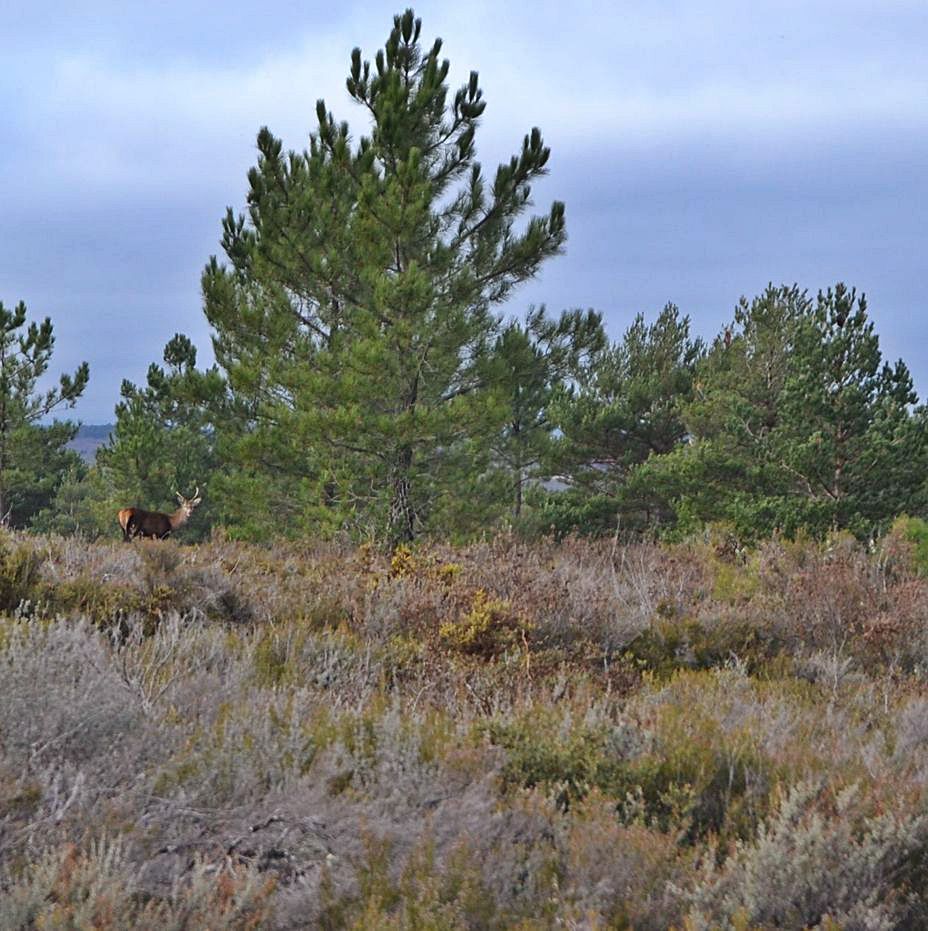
x=180 y=497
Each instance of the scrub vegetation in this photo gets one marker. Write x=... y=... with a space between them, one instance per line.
x=509 y=734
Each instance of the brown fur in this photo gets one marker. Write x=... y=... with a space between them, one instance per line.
x=136 y=522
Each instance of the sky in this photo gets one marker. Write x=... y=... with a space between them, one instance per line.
x=703 y=148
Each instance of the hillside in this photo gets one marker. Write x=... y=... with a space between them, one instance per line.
x=509 y=734
x=90 y=437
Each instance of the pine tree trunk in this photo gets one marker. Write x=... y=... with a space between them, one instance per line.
x=4 y=505
x=402 y=515
x=520 y=472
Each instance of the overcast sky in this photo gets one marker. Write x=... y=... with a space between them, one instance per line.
x=703 y=148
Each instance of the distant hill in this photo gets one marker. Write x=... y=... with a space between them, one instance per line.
x=89 y=438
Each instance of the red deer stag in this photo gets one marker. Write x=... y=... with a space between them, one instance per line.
x=138 y=523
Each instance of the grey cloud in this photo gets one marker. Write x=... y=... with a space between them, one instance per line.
x=702 y=151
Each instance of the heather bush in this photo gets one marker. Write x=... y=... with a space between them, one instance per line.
x=19 y=570
x=62 y=697
x=100 y=888
x=510 y=734
x=823 y=860
x=620 y=873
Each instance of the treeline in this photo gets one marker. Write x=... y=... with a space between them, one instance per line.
x=365 y=386
x=788 y=422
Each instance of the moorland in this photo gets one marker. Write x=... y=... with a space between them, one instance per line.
x=586 y=734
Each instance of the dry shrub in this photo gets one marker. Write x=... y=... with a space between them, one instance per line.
x=622 y=875
x=100 y=888
x=582 y=590
x=323 y=726
x=822 y=858
x=833 y=598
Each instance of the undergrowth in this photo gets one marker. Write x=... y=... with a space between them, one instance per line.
x=505 y=735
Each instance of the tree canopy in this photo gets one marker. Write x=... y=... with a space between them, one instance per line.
x=354 y=318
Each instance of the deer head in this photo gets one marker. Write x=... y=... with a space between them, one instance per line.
x=187 y=505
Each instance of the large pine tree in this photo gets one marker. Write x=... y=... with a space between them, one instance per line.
x=355 y=314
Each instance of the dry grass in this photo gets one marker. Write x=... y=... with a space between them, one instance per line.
x=509 y=734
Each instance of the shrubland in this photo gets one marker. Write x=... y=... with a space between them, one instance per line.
x=582 y=734
x=718 y=722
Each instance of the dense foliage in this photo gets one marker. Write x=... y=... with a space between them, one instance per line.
x=626 y=407
x=798 y=424
x=790 y=422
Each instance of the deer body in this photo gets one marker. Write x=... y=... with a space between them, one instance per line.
x=136 y=522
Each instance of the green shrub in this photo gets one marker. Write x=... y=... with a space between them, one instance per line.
x=671 y=644
x=424 y=895
x=567 y=759
x=20 y=564
x=105 y=604
x=714 y=785
x=914 y=530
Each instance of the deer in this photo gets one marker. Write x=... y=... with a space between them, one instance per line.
x=138 y=523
